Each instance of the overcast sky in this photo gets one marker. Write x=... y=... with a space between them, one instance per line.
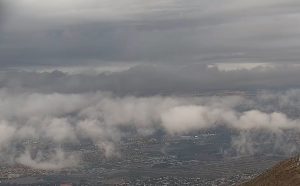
x=85 y=69
x=65 y=32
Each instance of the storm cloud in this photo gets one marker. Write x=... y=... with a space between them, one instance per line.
x=168 y=31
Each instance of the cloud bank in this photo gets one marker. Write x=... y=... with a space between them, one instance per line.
x=153 y=79
x=56 y=119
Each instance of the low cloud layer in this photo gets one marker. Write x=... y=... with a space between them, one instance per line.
x=56 y=119
x=152 y=79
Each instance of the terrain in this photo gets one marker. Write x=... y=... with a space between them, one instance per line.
x=205 y=158
x=285 y=173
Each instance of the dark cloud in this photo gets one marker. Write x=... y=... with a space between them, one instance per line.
x=163 y=31
x=2 y=12
x=155 y=79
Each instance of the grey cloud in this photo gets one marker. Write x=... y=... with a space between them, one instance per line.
x=164 y=31
x=259 y=141
x=3 y=12
x=157 y=79
x=169 y=48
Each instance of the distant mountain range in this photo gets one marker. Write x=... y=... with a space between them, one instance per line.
x=285 y=173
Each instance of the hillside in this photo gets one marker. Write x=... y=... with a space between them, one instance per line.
x=285 y=173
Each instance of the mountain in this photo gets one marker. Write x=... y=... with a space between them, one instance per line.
x=285 y=173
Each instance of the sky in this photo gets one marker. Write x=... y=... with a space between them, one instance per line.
x=86 y=69
x=68 y=32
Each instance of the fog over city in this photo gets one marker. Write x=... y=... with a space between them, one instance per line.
x=103 y=71
x=102 y=117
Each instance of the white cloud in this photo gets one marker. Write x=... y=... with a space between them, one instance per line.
x=99 y=117
x=55 y=160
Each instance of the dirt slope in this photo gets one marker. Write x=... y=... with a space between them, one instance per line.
x=285 y=173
